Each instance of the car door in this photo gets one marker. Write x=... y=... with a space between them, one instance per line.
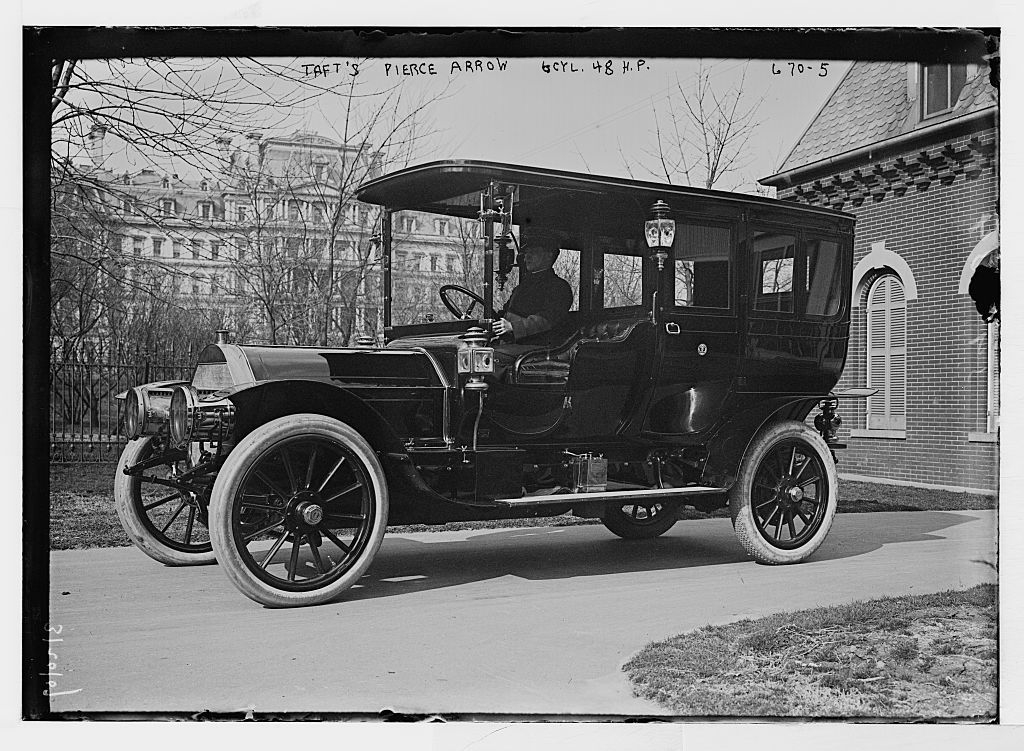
x=697 y=329
x=612 y=363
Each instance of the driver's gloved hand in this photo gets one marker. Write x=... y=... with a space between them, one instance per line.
x=501 y=328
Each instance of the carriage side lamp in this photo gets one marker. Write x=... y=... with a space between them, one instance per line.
x=660 y=232
x=475 y=358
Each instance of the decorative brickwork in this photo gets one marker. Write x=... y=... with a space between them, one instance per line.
x=895 y=176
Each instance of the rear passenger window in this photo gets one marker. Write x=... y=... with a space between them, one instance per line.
x=701 y=266
x=623 y=280
x=821 y=286
x=774 y=259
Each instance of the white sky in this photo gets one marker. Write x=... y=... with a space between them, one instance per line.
x=574 y=117
x=579 y=119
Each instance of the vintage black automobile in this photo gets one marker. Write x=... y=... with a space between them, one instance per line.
x=705 y=328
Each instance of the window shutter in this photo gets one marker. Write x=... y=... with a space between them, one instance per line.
x=993 y=376
x=887 y=354
x=897 y=355
x=876 y=356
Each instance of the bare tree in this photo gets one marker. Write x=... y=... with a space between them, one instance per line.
x=177 y=115
x=623 y=280
x=382 y=131
x=467 y=243
x=169 y=114
x=701 y=136
x=172 y=111
x=85 y=270
x=310 y=256
x=424 y=261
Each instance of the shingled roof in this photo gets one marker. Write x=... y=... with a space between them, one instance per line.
x=871 y=104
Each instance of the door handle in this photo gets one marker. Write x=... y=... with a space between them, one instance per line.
x=672 y=328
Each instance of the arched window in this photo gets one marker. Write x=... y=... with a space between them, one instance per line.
x=887 y=354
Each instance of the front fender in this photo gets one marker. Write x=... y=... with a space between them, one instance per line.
x=258 y=403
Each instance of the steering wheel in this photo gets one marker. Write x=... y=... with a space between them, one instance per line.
x=462 y=315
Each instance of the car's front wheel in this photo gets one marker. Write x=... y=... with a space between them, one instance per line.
x=786 y=494
x=298 y=511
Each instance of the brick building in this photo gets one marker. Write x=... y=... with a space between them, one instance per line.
x=911 y=151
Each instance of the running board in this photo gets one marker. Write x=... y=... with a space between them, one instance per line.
x=624 y=495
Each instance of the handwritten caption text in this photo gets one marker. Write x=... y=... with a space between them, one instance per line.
x=51 y=666
x=800 y=69
x=601 y=67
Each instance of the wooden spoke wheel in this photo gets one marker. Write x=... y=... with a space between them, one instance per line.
x=298 y=511
x=640 y=521
x=786 y=494
x=164 y=518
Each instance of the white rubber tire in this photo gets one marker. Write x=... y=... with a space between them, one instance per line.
x=138 y=527
x=259 y=444
x=778 y=437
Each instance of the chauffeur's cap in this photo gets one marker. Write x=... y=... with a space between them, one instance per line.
x=538 y=237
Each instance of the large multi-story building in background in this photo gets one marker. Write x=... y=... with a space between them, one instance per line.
x=273 y=236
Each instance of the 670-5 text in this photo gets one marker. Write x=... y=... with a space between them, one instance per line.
x=800 y=69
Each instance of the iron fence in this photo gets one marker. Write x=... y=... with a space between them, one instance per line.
x=85 y=417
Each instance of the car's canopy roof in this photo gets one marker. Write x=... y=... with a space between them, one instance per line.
x=550 y=197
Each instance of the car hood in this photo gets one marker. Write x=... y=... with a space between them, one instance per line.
x=442 y=347
x=224 y=366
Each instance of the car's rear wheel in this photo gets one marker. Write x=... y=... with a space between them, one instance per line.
x=785 y=496
x=298 y=511
x=640 y=520
x=167 y=523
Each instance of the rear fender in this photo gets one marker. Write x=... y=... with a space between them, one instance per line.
x=728 y=445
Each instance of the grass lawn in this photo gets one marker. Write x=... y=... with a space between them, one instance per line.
x=916 y=657
x=82 y=508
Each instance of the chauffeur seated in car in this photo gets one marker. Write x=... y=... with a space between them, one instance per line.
x=541 y=300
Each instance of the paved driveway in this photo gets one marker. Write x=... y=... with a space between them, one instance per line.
x=524 y=621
